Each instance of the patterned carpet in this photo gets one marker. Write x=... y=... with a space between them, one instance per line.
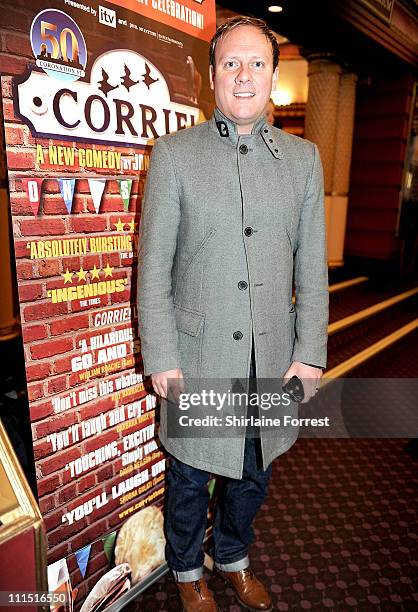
x=338 y=532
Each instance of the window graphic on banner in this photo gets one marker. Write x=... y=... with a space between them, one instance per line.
x=86 y=89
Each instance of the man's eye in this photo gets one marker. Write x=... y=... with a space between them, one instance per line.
x=259 y=64
x=230 y=64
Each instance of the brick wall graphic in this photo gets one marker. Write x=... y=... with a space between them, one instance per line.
x=81 y=110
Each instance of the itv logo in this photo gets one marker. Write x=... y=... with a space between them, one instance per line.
x=107 y=16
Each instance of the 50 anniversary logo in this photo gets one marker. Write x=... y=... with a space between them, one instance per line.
x=125 y=100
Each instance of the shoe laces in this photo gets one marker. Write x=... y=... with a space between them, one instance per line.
x=197 y=586
x=248 y=572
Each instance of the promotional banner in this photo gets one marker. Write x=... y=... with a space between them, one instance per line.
x=86 y=90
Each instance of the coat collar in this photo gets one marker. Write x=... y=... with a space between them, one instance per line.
x=227 y=129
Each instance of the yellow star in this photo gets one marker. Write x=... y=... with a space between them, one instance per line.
x=132 y=225
x=108 y=271
x=81 y=274
x=120 y=227
x=68 y=276
x=95 y=272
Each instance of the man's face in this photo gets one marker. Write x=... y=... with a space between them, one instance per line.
x=243 y=77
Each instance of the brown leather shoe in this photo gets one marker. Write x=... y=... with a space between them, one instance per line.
x=250 y=592
x=196 y=597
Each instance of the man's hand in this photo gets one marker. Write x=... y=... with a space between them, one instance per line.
x=309 y=376
x=159 y=381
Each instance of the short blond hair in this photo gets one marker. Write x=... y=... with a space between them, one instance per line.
x=234 y=22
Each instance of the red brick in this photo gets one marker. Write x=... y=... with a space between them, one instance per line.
x=51 y=348
x=38 y=371
x=47 y=502
x=15 y=135
x=86 y=536
x=10 y=64
x=57 y=552
x=7 y=90
x=48 y=268
x=67 y=494
x=30 y=292
x=100 y=440
x=15 y=19
x=34 y=332
x=114 y=260
x=72 y=263
x=98 y=562
x=62 y=365
x=104 y=473
x=90 y=261
x=44 y=311
x=111 y=203
x=8 y=110
x=20 y=160
x=57 y=384
x=52 y=520
x=87 y=224
x=86 y=482
x=53 y=205
x=24 y=270
x=35 y=392
x=47 y=485
x=68 y=324
x=65 y=532
x=18 y=44
x=50 y=186
x=59 y=460
x=42 y=227
x=58 y=423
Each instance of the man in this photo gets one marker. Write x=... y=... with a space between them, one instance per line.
x=233 y=208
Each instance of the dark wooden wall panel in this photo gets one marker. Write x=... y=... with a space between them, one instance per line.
x=380 y=137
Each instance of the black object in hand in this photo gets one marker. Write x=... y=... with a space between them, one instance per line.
x=294 y=388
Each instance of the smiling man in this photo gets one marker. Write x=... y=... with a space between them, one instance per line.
x=233 y=213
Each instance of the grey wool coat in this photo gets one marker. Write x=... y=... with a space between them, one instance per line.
x=228 y=222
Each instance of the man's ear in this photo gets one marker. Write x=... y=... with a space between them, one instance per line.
x=275 y=77
x=211 y=77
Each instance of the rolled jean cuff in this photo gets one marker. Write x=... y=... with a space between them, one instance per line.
x=189 y=575
x=235 y=566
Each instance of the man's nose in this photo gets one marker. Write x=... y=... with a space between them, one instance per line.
x=243 y=75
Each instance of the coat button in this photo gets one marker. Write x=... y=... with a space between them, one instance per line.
x=237 y=335
x=243 y=149
x=248 y=231
x=242 y=285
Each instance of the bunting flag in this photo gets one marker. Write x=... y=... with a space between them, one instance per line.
x=82 y=557
x=67 y=192
x=109 y=544
x=59 y=584
x=96 y=189
x=33 y=188
x=125 y=186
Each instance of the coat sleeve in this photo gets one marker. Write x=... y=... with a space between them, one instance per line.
x=311 y=273
x=157 y=246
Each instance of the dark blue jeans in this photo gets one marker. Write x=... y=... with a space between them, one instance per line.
x=186 y=510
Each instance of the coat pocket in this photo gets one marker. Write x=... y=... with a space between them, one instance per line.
x=198 y=252
x=188 y=321
x=190 y=338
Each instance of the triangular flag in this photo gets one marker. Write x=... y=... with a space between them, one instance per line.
x=82 y=557
x=33 y=187
x=125 y=186
x=109 y=544
x=96 y=189
x=67 y=192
